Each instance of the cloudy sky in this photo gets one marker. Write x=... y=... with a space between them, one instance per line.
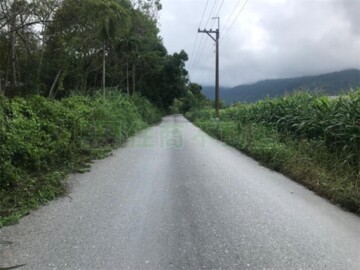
x=263 y=39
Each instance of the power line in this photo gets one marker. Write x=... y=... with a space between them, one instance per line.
x=211 y=12
x=217 y=15
x=196 y=55
x=200 y=50
x=232 y=20
x=202 y=17
x=232 y=13
x=212 y=24
x=237 y=16
x=228 y=19
x=197 y=35
x=224 y=26
x=201 y=44
x=218 y=12
x=216 y=39
x=192 y=51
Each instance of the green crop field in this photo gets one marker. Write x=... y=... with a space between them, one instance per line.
x=313 y=139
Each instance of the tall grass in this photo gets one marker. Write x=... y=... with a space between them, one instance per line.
x=333 y=122
x=314 y=139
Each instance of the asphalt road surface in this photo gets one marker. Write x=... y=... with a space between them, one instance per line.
x=174 y=198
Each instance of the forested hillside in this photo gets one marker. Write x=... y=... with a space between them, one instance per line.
x=331 y=84
x=53 y=47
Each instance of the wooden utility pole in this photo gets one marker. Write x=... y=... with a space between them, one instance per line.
x=216 y=39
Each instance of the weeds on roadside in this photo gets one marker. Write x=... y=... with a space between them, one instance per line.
x=313 y=139
x=43 y=140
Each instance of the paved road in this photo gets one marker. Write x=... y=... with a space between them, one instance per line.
x=173 y=198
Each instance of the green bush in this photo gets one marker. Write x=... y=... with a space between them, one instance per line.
x=42 y=140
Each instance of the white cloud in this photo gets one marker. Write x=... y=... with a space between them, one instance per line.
x=270 y=39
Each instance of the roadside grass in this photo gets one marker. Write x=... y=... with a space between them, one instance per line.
x=43 y=140
x=331 y=169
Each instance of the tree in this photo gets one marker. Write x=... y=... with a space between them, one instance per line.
x=53 y=47
x=194 y=99
x=43 y=11
x=150 y=8
x=110 y=16
x=82 y=31
x=17 y=19
x=170 y=80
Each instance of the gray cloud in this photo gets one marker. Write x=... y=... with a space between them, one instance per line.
x=351 y=11
x=271 y=38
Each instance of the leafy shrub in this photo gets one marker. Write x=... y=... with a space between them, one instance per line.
x=42 y=139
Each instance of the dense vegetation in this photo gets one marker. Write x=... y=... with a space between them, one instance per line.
x=53 y=47
x=313 y=139
x=43 y=140
x=193 y=99
x=331 y=84
x=55 y=55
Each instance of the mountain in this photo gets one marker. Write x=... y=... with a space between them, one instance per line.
x=331 y=84
x=209 y=91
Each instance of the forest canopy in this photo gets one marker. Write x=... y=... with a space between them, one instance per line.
x=54 y=47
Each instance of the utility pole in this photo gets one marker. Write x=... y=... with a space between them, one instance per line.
x=216 y=39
